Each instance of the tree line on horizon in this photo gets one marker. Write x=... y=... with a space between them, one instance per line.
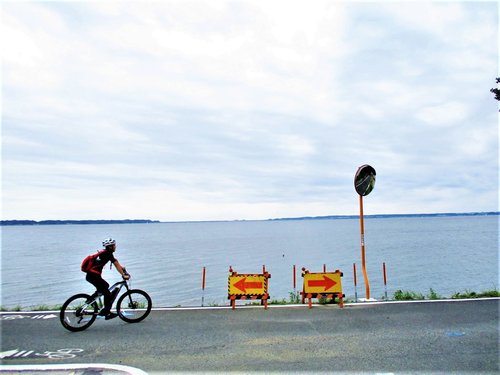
x=330 y=217
x=60 y=222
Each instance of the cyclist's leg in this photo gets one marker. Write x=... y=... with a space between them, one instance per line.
x=102 y=287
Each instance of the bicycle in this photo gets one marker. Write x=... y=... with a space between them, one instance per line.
x=81 y=310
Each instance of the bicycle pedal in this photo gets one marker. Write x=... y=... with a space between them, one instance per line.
x=111 y=316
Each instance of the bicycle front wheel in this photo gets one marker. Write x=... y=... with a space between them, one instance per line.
x=134 y=306
x=77 y=313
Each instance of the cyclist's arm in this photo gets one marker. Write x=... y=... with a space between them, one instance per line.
x=120 y=269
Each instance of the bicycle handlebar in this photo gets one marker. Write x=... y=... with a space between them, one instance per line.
x=126 y=275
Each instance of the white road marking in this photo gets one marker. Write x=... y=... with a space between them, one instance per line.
x=71 y=367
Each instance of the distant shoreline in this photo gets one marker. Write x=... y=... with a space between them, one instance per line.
x=330 y=217
x=388 y=216
x=80 y=222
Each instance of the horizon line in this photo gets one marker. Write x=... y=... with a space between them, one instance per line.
x=322 y=217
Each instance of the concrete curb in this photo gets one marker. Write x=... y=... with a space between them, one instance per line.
x=67 y=368
x=350 y=304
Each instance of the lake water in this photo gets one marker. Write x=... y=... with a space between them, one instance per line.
x=41 y=264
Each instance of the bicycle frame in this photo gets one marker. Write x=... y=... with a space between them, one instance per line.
x=97 y=297
x=81 y=310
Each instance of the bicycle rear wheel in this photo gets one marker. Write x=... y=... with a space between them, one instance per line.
x=77 y=313
x=134 y=306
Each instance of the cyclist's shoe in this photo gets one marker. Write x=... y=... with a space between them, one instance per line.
x=106 y=313
x=111 y=316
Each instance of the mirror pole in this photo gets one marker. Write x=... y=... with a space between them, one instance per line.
x=363 y=260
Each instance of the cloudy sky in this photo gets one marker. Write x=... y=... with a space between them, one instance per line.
x=209 y=110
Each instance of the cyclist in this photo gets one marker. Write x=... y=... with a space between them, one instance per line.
x=94 y=275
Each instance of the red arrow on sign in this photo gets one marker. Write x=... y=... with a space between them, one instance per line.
x=243 y=285
x=326 y=282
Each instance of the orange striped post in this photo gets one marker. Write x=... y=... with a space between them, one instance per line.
x=203 y=275
x=263 y=301
x=294 y=278
x=385 y=280
x=363 y=258
x=355 y=282
x=364 y=182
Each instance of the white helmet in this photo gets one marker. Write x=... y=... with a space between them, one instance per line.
x=108 y=242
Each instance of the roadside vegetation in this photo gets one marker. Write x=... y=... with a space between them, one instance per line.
x=295 y=298
x=31 y=308
x=400 y=295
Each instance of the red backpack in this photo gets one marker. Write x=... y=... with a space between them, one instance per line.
x=89 y=261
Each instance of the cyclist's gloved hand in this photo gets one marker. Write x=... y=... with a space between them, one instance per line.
x=126 y=276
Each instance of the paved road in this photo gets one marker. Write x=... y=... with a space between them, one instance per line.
x=438 y=336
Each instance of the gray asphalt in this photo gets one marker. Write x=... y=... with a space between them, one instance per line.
x=450 y=337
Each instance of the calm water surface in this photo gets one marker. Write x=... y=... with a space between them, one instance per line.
x=41 y=264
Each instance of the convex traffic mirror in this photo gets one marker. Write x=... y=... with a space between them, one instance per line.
x=364 y=180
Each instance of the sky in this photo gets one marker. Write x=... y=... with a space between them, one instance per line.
x=240 y=110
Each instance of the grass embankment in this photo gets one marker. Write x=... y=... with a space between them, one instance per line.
x=400 y=295
x=295 y=298
x=32 y=308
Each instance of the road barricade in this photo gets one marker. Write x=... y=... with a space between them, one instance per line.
x=248 y=286
x=322 y=285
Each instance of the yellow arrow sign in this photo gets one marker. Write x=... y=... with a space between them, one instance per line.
x=322 y=282
x=247 y=284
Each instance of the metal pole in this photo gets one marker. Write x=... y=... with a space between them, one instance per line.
x=385 y=281
x=355 y=283
x=203 y=286
x=363 y=260
x=294 y=297
x=294 y=279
